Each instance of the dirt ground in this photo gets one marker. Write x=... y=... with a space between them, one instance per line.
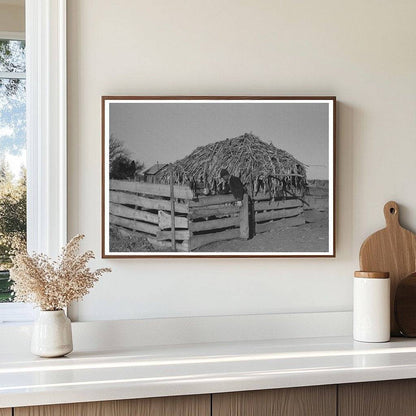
x=128 y=241
x=312 y=236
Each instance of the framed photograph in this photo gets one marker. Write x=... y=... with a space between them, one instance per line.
x=218 y=176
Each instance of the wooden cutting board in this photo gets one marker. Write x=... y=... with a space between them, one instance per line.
x=393 y=250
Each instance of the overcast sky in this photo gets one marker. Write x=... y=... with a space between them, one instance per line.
x=165 y=132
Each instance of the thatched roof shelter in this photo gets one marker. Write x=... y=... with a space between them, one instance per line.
x=260 y=166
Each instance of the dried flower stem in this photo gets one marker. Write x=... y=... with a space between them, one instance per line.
x=53 y=285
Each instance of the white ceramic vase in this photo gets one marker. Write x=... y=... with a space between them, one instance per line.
x=52 y=334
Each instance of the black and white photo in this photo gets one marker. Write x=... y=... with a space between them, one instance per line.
x=218 y=176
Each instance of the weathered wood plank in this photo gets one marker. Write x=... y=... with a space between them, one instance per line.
x=214 y=210
x=165 y=221
x=179 y=235
x=148 y=203
x=183 y=192
x=134 y=225
x=284 y=222
x=212 y=200
x=134 y=214
x=201 y=240
x=214 y=224
x=244 y=219
x=280 y=213
x=267 y=196
x=288 y=203
x=172 y=209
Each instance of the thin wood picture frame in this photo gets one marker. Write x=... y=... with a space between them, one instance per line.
x=186 y=176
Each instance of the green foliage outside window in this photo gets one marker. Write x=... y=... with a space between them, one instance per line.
x=12 y=145
x=12 y=223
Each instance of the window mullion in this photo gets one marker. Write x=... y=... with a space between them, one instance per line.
x=46 y=124
x=12 y=75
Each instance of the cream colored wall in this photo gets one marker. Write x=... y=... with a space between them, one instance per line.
x=12 y=18
x=361 y=51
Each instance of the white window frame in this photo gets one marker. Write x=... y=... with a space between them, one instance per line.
x=46 y=127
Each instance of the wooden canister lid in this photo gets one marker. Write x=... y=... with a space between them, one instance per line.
x=372 y=275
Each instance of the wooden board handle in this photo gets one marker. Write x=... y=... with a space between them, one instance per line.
x=391 y=214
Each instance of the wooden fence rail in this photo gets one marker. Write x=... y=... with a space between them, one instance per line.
x=184 y=192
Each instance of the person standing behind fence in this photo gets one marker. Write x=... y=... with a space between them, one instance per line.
x=232 y=184
x=235 y=186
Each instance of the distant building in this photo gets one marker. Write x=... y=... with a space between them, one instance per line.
x=150 y=174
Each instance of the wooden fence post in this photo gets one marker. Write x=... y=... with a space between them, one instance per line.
x=172 y=210
x=244 y=219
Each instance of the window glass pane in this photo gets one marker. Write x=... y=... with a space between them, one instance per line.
x=12 y=56
x=12 y=163
x=12 y=118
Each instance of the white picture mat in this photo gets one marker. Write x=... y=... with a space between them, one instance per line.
x=106 y=195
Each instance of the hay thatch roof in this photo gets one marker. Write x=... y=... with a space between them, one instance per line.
x=260 y=166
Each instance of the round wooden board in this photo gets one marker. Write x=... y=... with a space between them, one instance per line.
x=393 y=250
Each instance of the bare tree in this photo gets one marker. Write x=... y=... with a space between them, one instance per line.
x=121 y=164
x=117 y=149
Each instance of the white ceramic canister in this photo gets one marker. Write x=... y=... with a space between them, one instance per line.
x=371 y=313
x=52 y=334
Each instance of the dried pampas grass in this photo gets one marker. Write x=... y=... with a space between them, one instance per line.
x=53 y=285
